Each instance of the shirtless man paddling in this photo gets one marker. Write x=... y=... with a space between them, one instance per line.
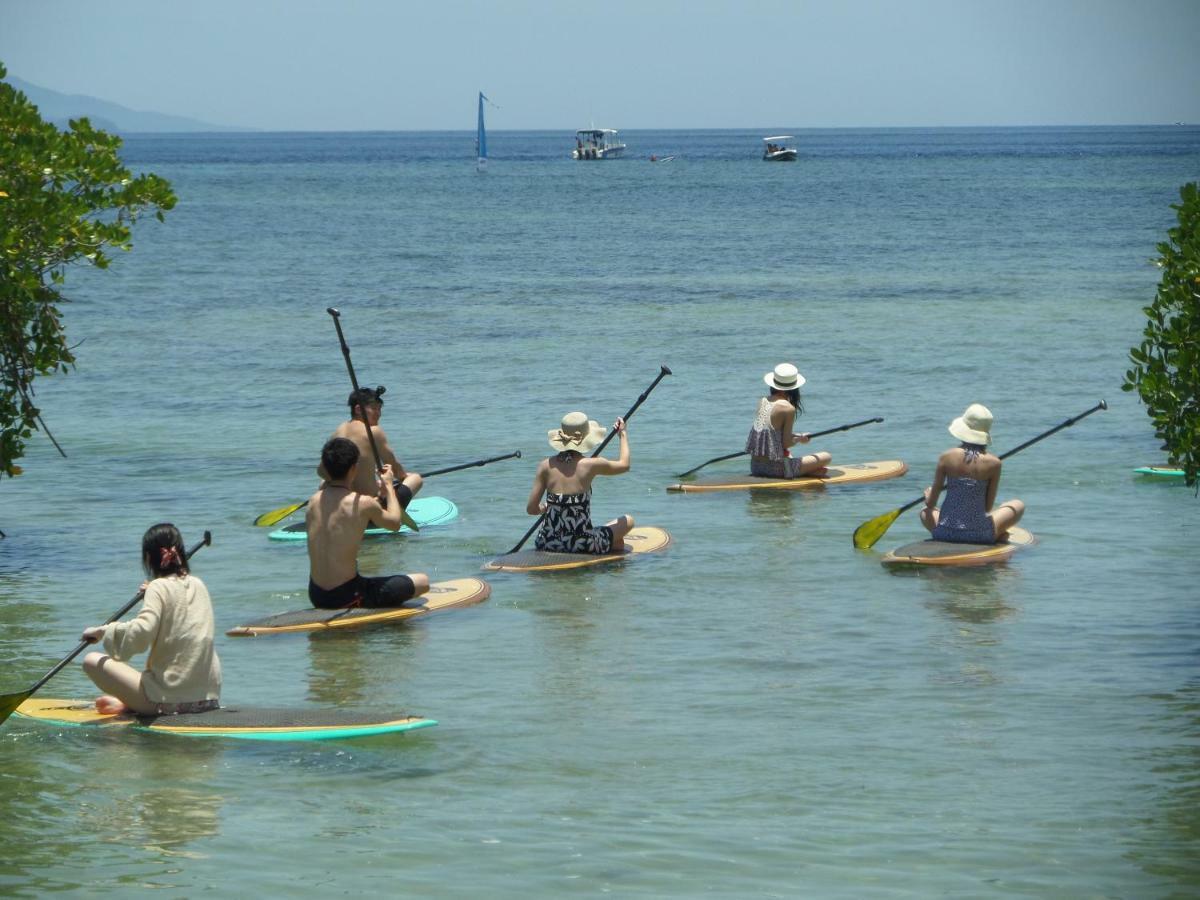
x=337 y=516
x=366 y=406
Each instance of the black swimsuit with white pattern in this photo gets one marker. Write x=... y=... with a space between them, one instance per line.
x=568 y=526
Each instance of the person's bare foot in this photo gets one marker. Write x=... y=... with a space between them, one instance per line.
x=110 y=706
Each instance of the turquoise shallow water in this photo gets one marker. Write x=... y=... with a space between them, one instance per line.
x=760 y=710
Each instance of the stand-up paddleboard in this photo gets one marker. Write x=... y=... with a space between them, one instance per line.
x=945 y=553
x=638 y=541
x=441 y=595
x=847 y=474
x=1159 y=471
x=242 y=722
x=425 y=511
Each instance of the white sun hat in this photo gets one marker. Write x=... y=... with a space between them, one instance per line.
x=974 y=426
x=577 y=432
x=785 y=377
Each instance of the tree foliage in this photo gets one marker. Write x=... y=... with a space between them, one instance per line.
x=65 y=197
x=1166 y=365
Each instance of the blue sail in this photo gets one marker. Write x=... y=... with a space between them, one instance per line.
x=481 y=136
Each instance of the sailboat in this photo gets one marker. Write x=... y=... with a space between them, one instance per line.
x=481 y=138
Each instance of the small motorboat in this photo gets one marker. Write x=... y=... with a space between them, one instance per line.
x=777 y=151
x=597 y=143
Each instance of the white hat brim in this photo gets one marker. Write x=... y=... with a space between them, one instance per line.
x=769 y=381
x=965 y=433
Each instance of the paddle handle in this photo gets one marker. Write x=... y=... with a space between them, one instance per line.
x=1067 y=424
x=471 y=465
x=337 y=323
x=83 y=645
x=663 y=373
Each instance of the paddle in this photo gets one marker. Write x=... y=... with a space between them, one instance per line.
x=663 y=373
x=278 y=515
x=868 y=533
x=744 y=452
x=337 y=322
x=9 y=702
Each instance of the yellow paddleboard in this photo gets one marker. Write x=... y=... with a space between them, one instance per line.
x=230 y=722
x=847 y=474
x=945 y=553
x=441 y=595
x=640 y=540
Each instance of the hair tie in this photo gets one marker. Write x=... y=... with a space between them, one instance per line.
x=167 y=556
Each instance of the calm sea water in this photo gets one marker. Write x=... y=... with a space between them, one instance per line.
x=759 y=711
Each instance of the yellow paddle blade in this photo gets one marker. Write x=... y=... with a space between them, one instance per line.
x=278 y=515
x=867 y=534
x=10 y=702
x=406 y=519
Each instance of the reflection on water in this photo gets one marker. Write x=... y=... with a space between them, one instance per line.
x=344 y=665
x=972 y=595
x=177 y=805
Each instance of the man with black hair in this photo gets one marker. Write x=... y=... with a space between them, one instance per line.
x=366 y=406
x=338 y=514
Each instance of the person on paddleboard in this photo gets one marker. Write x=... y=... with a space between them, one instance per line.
x=565 y=482
x=366 y=408
x=970 y=477
x=771 y=437
x=338 y=514
x=175 y=623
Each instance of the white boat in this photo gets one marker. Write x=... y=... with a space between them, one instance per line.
x=775 y=151
x=481 y=138
x=597 y=143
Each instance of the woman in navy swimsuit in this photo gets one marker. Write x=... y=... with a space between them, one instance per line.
x=970 y=476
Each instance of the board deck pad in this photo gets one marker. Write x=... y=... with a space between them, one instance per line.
x=441 y=595
x=850 y=473
x=425 y=511
x=1159 y=471
x=241 y=722
x=643 y=539
x=946 y=553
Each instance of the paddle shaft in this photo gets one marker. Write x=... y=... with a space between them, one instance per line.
x=120 y=612
x=811 y=436
x=1029 y=443
x=471 y=465
x=337 y=322
x=663 y=373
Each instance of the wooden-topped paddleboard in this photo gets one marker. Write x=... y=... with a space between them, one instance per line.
x=441 y=595
x=945 y=553
x=242 y=722
x=1159 y=471
x=847 y=474
x=425 y=511
x=640 y=540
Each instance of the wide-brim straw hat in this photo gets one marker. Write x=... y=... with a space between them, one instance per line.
x=974 y=426
x=577 y=432
x=785 y=377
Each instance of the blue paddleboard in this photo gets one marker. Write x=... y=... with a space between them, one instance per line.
x=425 y=511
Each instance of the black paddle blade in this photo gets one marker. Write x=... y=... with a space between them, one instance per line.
x=9 y=704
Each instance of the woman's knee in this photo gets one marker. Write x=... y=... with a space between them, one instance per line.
x=420 y=583
x=93 y=662
x=413 y=482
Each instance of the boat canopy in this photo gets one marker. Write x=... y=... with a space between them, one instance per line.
x=780 y=137
x=597 y=131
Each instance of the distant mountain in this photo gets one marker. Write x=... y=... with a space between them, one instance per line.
x=60 y=108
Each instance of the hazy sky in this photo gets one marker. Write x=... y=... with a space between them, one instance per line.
x=374 y=64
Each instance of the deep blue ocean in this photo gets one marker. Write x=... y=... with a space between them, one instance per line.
x=760 y=710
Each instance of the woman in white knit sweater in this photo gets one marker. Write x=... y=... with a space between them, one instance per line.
x=175 y=623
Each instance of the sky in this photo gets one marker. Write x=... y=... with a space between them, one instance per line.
x=333 y=65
